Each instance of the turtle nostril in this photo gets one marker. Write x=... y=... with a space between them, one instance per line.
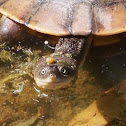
x=52 y=76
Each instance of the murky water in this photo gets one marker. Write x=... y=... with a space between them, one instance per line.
x=23 y=103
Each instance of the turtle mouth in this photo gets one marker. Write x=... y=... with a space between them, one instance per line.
x=51 y=84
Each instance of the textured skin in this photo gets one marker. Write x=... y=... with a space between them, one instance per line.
x=72 y=46
x=68 y=17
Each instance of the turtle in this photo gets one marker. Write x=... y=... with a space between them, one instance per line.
x=76 y=22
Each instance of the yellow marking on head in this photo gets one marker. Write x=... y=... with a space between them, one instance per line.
x=50 y=60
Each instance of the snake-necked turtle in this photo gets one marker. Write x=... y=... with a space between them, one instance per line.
x=73 y=20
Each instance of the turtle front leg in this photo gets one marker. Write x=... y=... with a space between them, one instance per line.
x=59 y=69
x=9 y=30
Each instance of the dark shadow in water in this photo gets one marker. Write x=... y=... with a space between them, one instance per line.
x=107 y=64
x=110 y=72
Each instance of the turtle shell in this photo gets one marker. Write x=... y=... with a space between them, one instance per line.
x=68 y=17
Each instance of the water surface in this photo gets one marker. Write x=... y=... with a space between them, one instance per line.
x=23 y=103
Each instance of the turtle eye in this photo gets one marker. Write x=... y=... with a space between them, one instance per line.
x=65 y=71
x=43 y=71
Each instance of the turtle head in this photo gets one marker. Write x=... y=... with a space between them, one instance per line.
x=55 y=72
